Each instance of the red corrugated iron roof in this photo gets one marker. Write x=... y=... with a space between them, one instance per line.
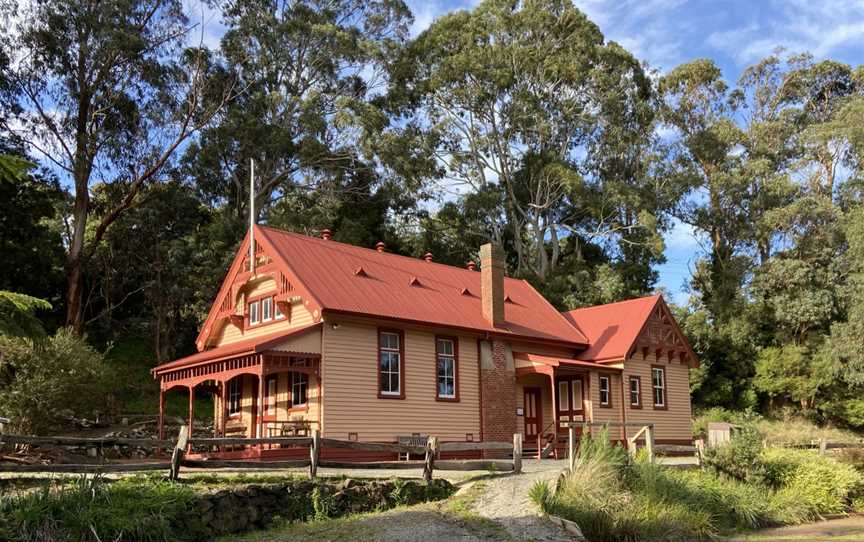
x=612 y=328
x=399 y=287
x=238 y=349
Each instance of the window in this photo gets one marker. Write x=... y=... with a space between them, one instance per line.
x=605 y=391
x=658 y=386
x=266 y=309
x=235 y=392
x=577 y=394
x=277 y=311
x=563 y=395
x=254 y=317
x=635 y=392
x=390 y=364
x=272 y=393
x=299 y=389
x=446 y=380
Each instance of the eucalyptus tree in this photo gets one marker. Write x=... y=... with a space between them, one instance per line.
x=106 y=93
x=309 y=70
x=511 y=94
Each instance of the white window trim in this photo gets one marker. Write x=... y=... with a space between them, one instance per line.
x=661 y=387
x=267 y=315
x=234 y=383
x=398 y=352
x=637 y=391
x=254 y=309
x=608 y=390
x=451 y=357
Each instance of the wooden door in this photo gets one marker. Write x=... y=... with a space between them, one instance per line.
x=532 y=414
x=570 y=400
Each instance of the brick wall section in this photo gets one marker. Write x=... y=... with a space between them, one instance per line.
x=492 y=283
x=498 y=381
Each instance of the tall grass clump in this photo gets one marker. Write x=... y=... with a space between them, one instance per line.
x=90 y=508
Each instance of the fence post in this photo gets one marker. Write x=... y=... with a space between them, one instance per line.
x=649 y=441
x=431 y=450
x=179 y=451
x=571 y=447
x=540 y=446
x=517 y=452
x=823 y=446
x=314 y=454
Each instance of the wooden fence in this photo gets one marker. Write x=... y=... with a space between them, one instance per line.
x=179 y=447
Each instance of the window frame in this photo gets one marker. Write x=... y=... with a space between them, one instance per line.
x=256 y=304
x=266 y=317
x=638 y=380
x=390 y=395
x=238 y=382
x=455 y=357
x=664 y=388
x=608 y=377
x=293 y=384
x=276 y=314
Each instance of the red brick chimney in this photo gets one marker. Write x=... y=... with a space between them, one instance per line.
x=492 y=283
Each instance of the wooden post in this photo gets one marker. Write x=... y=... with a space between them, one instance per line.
x=260 y=420
x=539 y=446
x=179 y=451
x=431 y=451
x=823 y=446
x=517 y=452
x=649 y=441
x=314 y=454
x=161 y=423
x=191 y=411
x=571 y=447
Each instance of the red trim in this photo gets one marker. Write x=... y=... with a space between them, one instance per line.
x=401 y=394
x=600 y=390
x=665 y=405
x=538 y=407
x=455 y=341
x=638 y=393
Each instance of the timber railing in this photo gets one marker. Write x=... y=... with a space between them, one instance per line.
x=179 y=447
x=645 y=433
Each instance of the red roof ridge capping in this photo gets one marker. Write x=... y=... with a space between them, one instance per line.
x=325 y=269
x=236 y=349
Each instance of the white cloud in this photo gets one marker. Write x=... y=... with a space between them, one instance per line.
x=682 y=238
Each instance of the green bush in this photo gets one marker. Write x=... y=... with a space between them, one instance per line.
x=40 y=382
x=740 y=458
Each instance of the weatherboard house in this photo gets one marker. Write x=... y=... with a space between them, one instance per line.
x=362 y=344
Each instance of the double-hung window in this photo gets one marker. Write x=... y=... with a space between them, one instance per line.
x=299 y=389
x=658 y=386
x=267 y=309
x=254 y=314
x=390 y=364
x=235 y=393
x=277 y=312
x=605 y=391
x=446 y=368
x=635 y=392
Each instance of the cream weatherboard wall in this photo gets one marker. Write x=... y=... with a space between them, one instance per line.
x=350 y=387
x=299 y=316
x=675 y=422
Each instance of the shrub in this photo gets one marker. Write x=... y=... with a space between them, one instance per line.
x=740 y=458
x=41 y=381
x=821 y=484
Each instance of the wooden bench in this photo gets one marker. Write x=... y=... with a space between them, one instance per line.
x=414 y=440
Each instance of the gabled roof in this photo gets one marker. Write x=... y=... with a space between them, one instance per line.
x=612 y=329
x=409 y=289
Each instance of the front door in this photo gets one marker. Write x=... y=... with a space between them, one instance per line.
x=569 y=396
x=532 y=414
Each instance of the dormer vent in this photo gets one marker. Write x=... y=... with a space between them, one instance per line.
x=414 y=282
x=360 y=272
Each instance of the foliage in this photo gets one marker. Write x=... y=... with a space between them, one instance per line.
x=132 y=508
x=18 y=315
x=43 y=382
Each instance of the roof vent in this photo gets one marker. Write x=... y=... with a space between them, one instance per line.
x=466 y=291
x=326 y=234
x=380 y=246
x=414 y=282
x=472 y=266
x=428 y=257
x=508 y=299
x=360 y=272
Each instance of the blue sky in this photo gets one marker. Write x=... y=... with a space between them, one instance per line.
x=665 y=33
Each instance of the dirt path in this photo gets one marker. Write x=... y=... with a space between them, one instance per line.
x=505 y=501
x=834 y=530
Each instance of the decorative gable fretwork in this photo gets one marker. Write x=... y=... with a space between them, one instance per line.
x=662 y=337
